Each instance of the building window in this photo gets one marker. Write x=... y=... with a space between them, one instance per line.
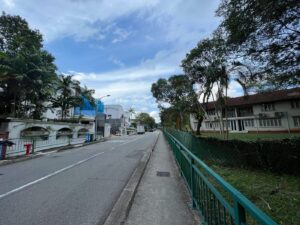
x=267 y=107
x=249 y=123
x=270 y=122
x=228 y=124
x=230 y=113
x=246 y=111
x=210 y=112
x=296 y=121
x=295 y=104
x=208 y=125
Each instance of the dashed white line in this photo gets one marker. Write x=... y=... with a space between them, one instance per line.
x=48 y=176
x=61 y=170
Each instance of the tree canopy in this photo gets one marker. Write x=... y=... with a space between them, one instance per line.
x=177 y=94
x=145 y=119
x=27 y=71
x=267 y=34
x=28 y=78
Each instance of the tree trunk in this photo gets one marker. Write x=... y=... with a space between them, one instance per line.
x=62 y=113
x=15 y=102
x=178 y=123
x=181 y=120
x=198 y=127
x=226 y=113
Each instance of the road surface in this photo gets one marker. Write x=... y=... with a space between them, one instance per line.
x=78 y=186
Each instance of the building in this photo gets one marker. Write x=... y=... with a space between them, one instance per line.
x=117 y=118
x=83 y=126
x=277 y=111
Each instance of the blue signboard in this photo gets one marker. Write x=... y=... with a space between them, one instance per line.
x=88 y=110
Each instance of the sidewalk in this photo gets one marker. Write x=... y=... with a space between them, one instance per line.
x=161 y=200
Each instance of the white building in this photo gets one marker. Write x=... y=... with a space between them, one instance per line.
x=127 y=117
x=114 y=111
x=117 y=118
x=277 y=111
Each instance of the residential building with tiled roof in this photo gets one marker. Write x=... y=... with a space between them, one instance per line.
x=276 y=111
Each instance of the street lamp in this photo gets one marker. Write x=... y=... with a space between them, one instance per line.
x=103 y=97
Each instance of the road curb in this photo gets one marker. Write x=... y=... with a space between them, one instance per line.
x=36 y=155
x=120 y=211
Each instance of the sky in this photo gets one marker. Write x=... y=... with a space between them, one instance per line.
x=120 y=47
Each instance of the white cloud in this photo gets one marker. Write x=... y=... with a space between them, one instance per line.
x=155 y=115
x=131 y=74
x=9 y=3
x=116 y=61
x=89 y=18
x=121 y=35
x=122 y=89
x=178 y=25
x=78 y=19
x=234 y=90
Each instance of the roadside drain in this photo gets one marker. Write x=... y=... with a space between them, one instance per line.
x=163 y=174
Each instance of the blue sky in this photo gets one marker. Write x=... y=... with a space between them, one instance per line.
x=120 y=47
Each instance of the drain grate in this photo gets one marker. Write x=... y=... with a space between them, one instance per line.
x=163 y=174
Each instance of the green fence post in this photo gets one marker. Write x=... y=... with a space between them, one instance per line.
x=239 y=213
x=192 y=162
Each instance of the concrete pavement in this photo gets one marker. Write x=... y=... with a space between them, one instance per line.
x=73 y=187
x=162 y=200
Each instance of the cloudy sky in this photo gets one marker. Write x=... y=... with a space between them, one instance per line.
x=120 y=47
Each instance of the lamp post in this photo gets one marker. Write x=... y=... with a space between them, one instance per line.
x=103 y=97
x=96 y=115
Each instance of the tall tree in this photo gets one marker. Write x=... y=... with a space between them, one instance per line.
x=207 y=66
x=268 y=33
x=178 y=92
x=27 y=72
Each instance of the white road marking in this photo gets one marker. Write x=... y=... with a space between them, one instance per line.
x=49 y=175
x=61 y=170
x=46 y=153
x=124 y=143
x=116 y=141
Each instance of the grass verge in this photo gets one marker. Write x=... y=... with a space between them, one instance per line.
x=276 y=195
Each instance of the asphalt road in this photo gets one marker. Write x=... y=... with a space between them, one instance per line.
x=78 y=186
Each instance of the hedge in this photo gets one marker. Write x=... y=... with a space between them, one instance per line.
x=278 y=156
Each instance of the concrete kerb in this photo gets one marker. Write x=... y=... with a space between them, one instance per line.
x=120 y=211
x=36 y=155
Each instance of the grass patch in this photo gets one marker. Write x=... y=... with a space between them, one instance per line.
x=252 y=136
x=276 y=195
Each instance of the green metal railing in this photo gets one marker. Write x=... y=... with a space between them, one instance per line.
x=217 y=202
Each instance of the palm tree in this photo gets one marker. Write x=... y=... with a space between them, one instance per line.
x=88 y=94
x=66 y=95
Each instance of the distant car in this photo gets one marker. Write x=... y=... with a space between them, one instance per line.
x=151 y=130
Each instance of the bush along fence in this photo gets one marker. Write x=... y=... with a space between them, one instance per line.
x=278 y=156
x=29 y=145
x=217 y=202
